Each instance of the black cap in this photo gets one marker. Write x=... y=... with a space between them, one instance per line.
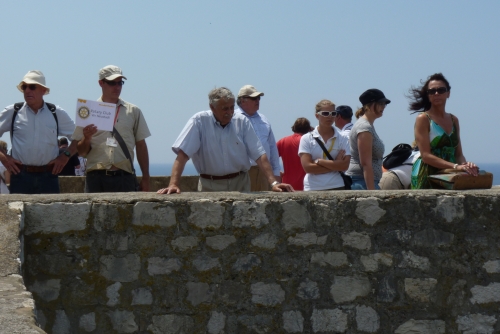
x=344 y=111
x=373 y=95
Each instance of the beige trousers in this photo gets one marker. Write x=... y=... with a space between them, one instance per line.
x=238 y=183
x=258 y=180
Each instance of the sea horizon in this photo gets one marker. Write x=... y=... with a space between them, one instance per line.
x=165 y=169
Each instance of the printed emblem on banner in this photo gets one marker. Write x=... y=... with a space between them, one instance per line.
x=84 y=112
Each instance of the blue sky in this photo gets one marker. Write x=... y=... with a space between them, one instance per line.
x=296 y=52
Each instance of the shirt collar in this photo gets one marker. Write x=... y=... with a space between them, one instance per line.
x=316 y=134
x=120 y=101
x=247 y=115
x=216 y=122
x=39 y=110
x=345 y=126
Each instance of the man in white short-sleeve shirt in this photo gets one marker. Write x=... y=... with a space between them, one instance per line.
x=221 y=144
x=309 y=145
x=343 y=119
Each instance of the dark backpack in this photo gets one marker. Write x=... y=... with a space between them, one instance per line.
x=398 y=155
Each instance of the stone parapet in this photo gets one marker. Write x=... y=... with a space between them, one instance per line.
x=317 y=262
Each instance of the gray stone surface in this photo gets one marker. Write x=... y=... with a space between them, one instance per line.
x=185 y=243
x=295 y=216
x=120 y=269
x=433 y=238
x=334 y=259
x=267 y=294
x=87 y=322
x=411 y=260
x=247 y=263
x=369 y=211
x=206 y=214
x=476 y=323
x=10 y=219
x=163 y=266
x=371 y=262
x=105 y=216
x=328 y=320
x=113 y=294
x=307 y=239
x=117 y=242
x=348 y=288
x=250 y=214
x=422 y=327
x=261 y=323
x=61 y=324
x=357 y=240
x=142 y=296
x=421 y=289
x=492 y=267
x=123 y=321
x=367 y=319
x=205 y=263
x=47 y=290
x=308 y=290
x=387 y=289
x=220 y=242
x=265 y=241
x=154 y=214
x=485 y=294
x=293 y=322
x=450 y=208
x=198 y=293
x=171 y=324
x=53 y=218
x=216 y=323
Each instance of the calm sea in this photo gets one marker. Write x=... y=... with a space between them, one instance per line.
x=166 y=169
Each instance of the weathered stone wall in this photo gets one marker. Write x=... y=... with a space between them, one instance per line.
x=331 y=262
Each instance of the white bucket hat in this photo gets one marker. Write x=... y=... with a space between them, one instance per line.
x=34 y=77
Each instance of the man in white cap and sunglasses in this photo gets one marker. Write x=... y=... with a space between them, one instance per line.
x=110 y=154
x=248 y=105
x=34 y=127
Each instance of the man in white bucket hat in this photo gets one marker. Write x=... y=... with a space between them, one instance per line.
x=34 y=127
x=110 y=154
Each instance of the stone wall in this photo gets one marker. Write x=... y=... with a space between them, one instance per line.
x=330 y=262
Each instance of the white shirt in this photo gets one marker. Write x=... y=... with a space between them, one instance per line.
x=309 y=145
x=34 y=140
x=262 y=128
x=404 y=171
x=346 y=129
x=218 y=150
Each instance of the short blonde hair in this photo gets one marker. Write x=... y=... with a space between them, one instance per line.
x=3 y=146
x=324 y=103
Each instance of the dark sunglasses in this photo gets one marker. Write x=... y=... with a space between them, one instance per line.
x=31 y=87
x=439 y=90
x=114 y=83
x=256 y=98
x=327 y=113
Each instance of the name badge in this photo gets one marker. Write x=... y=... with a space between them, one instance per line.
x=111 y=142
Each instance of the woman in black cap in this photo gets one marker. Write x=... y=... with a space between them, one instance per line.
x=437 y=133
x=367 y=150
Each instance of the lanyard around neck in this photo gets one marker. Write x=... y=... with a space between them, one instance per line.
x=331 y=147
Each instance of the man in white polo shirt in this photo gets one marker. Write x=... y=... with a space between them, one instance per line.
x=249 y=102
x=34 y=127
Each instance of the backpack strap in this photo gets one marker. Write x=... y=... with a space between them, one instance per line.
x=19 y=105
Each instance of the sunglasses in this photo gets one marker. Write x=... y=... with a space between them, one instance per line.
x=439 y=90
x=256 y=98
x=327 y=113
x=114 y=83
x=31 y=87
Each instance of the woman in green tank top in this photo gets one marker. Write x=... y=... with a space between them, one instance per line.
x=437 y=133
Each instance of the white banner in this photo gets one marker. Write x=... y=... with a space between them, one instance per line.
x=101 y=114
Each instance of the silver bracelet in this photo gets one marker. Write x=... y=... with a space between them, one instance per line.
x=274 y=183
x=455 y=166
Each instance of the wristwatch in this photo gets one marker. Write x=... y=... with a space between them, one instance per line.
x=316 y=161
x=274 y=183
x=66 y=153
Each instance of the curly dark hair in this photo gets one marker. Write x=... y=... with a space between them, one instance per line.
x=419 y=100
x=301 y=126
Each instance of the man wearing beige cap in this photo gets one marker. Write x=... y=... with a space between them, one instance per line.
x=248 y=102
x=110 y=154
x=34 y=127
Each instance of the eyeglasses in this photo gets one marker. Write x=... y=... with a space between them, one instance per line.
x=327 y=113
x=255 y=98
x=31 y=87
x=439 y=90
x=114 y=83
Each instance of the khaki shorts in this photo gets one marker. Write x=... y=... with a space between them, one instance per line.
x=390 y=181
x=238 y=183
x=258 y=180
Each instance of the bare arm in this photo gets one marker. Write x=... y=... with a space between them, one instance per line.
x=341 y=162
x=83 y=145
x=62 y=159
x=175 y=178
x=265 y=166
x=141 y=148
x=309 y=165
x=365 y=140
x=11 y=164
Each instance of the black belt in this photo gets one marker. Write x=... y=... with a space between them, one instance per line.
x=220 y=177
x=108 y=172
x=37 y=169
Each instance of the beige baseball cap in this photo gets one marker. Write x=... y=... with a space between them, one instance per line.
x=34 y=77
x=111 y=72
x=249 y=90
